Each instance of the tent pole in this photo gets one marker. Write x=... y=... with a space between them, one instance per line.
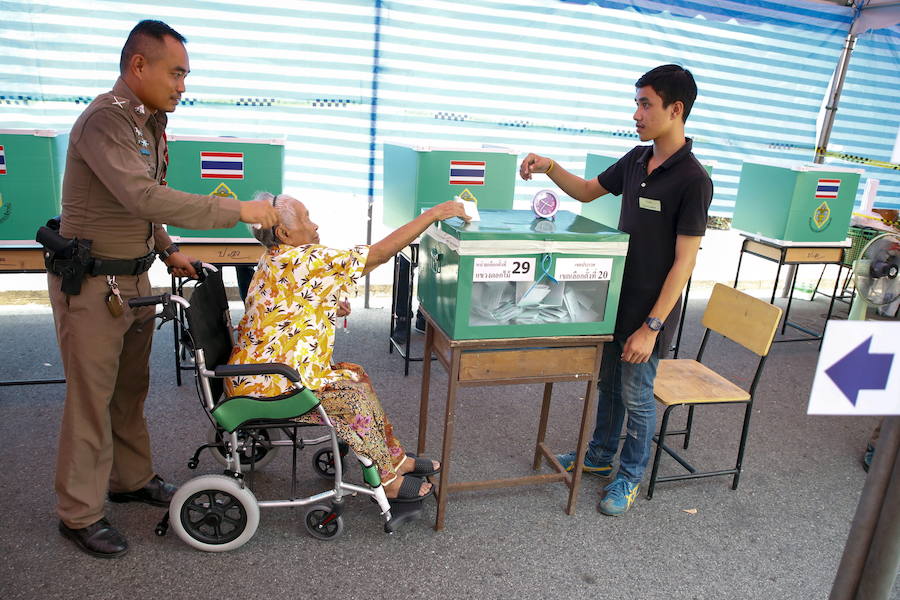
x=837 y=86
x=871 y=555
x=373 y=133
x=834 y=96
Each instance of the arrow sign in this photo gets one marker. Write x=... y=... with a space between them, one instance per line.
x=861 y=370
x=856 y=373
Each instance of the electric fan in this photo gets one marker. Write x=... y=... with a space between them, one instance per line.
x=876 y=274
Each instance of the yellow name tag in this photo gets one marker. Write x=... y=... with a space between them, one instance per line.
x=650 y=204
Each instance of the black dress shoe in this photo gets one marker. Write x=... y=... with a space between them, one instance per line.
x=100 y=539
x=156 y=493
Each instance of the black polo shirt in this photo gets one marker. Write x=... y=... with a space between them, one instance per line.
x=671 y=201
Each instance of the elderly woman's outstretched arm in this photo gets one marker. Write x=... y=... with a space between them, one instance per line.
x=381 y=252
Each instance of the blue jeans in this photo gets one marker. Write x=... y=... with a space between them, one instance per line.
x=624 y=387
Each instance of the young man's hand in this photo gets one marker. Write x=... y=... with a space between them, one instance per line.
x=639 y=345
x=533 y=164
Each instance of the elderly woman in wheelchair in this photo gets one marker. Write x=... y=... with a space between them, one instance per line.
x=279 y=377
x=291 y=309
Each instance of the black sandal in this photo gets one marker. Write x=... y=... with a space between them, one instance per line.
x=422 y=467
x=409 y=490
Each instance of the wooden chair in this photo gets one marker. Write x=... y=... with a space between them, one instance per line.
x=741 y=318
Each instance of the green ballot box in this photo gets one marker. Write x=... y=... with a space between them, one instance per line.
x=419 y=178
x=31 y=169
x=606 y=209
x=513 y=275
x=805 y=204
x=223 y=166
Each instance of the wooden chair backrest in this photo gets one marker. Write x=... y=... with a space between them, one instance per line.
x=749 y=321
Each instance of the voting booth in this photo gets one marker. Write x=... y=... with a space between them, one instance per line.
x=808 y=204
x=31 y=170
x=606 y=209
x=513 y=275
x=419 y=178
x=223 y=166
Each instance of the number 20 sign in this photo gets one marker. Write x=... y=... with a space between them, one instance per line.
x=503 y=269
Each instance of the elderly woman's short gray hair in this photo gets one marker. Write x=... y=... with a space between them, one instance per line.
x=286 y=216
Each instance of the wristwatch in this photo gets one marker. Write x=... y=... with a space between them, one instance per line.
x=653 y=323
x=165 y=254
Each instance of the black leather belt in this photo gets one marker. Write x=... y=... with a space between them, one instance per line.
x=115 y=266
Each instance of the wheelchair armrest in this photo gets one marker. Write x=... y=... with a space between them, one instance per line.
x=258 y=369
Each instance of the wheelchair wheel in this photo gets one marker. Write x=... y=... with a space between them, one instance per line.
x=214 y=513
x=321 y=524
x=263 y=453
x=323 y=463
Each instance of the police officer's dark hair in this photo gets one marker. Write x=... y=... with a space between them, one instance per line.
x=672 y=83
x=141 y=38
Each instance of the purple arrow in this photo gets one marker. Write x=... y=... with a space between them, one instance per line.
x=861 y=370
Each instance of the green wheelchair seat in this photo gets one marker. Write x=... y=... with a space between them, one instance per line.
x=232 y=413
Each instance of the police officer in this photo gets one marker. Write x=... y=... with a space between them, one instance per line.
x=114 y=194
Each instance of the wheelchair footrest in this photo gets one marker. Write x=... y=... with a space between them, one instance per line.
x=402 y=513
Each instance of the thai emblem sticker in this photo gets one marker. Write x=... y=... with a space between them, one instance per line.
x=821 y=217
x=221 y=165
x=467 y=172
x=223 y=191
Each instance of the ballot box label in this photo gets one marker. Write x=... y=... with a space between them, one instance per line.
x=503 y=269
x=583 y=269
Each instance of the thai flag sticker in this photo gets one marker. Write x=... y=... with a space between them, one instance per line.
x=2 y=161
x=221 y=165
x=467 y=172
x=828 y=188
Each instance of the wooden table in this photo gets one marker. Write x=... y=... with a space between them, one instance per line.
x=21 y=259
x=506 y=362
x=786 y=253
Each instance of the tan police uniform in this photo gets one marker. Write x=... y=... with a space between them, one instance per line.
x=114 y=194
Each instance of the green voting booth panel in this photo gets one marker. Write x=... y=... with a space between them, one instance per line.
x=809 y=204
x=607 y=208
x=513 y=275
x=223 y=166
x=416 y=178
x=31 y=169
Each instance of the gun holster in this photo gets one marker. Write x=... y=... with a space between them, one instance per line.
x=68 y=258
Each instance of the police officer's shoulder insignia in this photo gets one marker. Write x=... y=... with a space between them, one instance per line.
x=139 y=109
x=120 y=102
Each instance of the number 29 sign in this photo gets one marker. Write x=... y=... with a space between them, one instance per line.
x=503 y=269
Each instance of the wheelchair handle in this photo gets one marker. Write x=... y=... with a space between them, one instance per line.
x=258 y=369
x=148 y=300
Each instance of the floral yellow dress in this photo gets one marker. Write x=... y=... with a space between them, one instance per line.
x=290 y=318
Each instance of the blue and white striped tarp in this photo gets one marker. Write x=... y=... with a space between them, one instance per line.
x=554 y=77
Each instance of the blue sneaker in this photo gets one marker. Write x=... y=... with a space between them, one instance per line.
x=568 y=463
x=620 y=495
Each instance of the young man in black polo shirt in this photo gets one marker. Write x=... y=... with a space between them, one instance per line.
x=665 y=198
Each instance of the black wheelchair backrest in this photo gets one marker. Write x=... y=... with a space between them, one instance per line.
x=209 y=324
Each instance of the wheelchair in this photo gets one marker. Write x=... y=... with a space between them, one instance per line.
x=219 y=512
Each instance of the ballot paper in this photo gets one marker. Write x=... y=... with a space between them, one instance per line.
x=470 y=207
